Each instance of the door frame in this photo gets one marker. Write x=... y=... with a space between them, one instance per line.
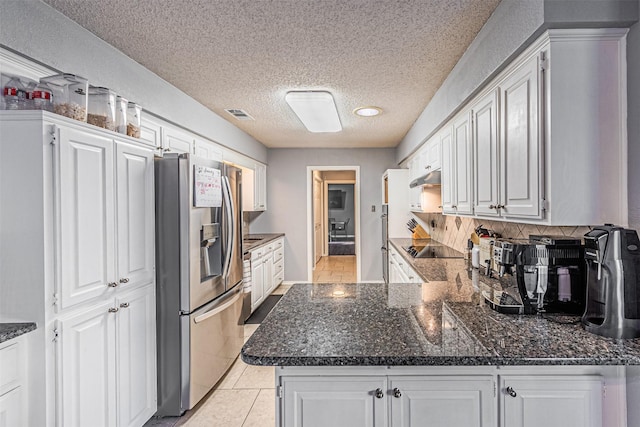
x=356 y=206
x=325 y=207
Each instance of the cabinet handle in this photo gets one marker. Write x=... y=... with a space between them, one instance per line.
x=379 y=394
x=113 y=309
x=124 y=280
x=112 y=284
x=396 y=392
x=511 y=392
x=427 y=167
x=500 y=207
x=124 y=305
x=493 y=207
x=166 y=150
x=454 y=207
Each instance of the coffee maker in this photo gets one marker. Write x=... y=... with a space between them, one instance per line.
x=613 y=282
x=549 y=272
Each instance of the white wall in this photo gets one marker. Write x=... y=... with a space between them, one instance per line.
x=36 y=30
x=287 y=201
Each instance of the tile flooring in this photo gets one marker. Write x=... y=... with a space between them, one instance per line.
x=335 y=269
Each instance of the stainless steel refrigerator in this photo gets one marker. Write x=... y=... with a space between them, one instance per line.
x=198 y=277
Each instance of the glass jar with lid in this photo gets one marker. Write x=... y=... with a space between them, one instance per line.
x=14 y=94
x=134 y=119
x=121 y=114
x=69 y=95
x=41 y=98
x=102 y=107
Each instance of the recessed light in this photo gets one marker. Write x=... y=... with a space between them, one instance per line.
x=367 y=111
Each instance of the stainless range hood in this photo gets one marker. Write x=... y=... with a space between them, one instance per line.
x=432 y=178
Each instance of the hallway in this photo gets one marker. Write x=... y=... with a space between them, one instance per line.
x=335 y=269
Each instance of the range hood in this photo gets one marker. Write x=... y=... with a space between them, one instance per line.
x=432 y=178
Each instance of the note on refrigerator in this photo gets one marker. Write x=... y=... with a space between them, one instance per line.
x=207 y=187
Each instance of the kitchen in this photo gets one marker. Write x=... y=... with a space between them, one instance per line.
x=286 y=188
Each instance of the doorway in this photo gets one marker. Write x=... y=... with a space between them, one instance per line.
x=333 y=213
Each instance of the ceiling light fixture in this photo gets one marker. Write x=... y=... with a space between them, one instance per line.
x=367 y=111
x=316 y=110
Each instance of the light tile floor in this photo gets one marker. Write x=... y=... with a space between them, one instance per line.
x=335 y=269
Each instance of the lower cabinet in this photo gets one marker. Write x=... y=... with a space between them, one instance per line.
x=465 y=396
x=12 y=383
x=558 y=401
x=106 y=362
x=267 y=270
x=399 y=269
x=452 y=401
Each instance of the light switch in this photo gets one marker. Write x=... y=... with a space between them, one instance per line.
x=373 y=208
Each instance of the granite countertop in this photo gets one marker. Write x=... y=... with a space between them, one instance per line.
x=13 y=330
x=429 y=269
x=252 y=241
x=443 y=323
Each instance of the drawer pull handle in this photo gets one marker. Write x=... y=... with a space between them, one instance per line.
x=511 y=392
x=113 y=310
x=397 y=392
x=124 y=280
x=112 y=284
x=124 y=305
x=379 y=394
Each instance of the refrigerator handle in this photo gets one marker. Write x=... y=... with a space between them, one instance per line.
x=226 y=195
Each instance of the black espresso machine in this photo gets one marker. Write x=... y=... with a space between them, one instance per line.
x=549 y=271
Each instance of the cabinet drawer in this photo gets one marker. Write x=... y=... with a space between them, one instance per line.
x=9 y=367
x=278 y=254
x=278 y=268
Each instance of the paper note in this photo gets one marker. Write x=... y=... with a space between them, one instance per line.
x=207 y=187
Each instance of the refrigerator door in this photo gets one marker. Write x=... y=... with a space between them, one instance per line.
x=217 y=335
x=385 y=248
x=232 y=223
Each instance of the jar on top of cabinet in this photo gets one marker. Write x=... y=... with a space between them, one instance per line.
x=134 y=119
x=102 y=108
x=121 y=114
x=14 y=94
x=69 y=95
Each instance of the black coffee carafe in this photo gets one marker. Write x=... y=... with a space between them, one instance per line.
x=612 y=255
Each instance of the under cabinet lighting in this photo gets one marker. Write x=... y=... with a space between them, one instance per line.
x=316 y=110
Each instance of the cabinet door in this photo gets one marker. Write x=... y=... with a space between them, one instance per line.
x=267 y=273
x=86 y=368
x=452 y=401
x=136 y=213
x=260 y=187
x=257 y=280
x=150 y=133
x=462 y=189
x=486 y=155
x=175 y=141
x=86 y=216
x=207 y=150
x=334 y=401
x=136 y=346
x=551 y=401
x=448 y=171
x=11 y=413
x=520 y=143
x=433 y=155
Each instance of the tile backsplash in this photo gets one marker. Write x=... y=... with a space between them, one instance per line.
x=454 y=231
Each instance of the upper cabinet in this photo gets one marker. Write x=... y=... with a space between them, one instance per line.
x=207 y=150
x=425 y=161
x=544 y=142
x=254 y=188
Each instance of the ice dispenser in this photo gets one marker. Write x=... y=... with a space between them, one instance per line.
x=613 y=282
x=210 y=252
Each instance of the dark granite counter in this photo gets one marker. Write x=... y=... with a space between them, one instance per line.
x=253 y=241
x=440 y=323
x=13 y=330
x=429 y=269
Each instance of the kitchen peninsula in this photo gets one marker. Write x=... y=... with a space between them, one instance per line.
x=371 y=354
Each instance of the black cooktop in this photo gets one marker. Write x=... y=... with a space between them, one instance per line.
x=432 y=250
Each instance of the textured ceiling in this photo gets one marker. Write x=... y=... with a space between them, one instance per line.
x=248 y=53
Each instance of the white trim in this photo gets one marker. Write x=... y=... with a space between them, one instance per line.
x=325 y=206
x=356 y=202
x=12 y=63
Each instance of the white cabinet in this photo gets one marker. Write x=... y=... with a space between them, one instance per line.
x=520 y=158
x=207 y=150
x=176 y=141
x=267 y=270
x=103 y=186
x=151 y=132
x=106 y=356
x=452 y=401
x=13 y=402
x=395 y=194
x=254 y=188
x=400 y=271
x=486 y=155
x=551 y=401
x=457 y=167
x=334 y=401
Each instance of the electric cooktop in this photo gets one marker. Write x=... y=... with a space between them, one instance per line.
x=432 y=250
